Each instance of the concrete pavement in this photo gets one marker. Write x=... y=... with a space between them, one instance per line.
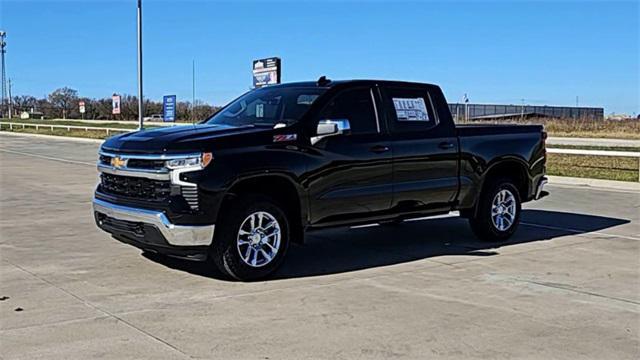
x=566 y=286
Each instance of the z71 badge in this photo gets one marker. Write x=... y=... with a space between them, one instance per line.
x=285 y=137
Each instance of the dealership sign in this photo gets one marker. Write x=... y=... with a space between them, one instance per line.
x=169 y=108
x=266 y=72
x=115 y=104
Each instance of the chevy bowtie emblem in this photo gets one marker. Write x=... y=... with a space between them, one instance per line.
x=118 y=162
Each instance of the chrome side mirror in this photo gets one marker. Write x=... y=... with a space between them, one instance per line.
x=328 y=128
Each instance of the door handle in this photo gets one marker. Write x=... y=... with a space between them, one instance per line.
x=379 y=149
x=445 y=145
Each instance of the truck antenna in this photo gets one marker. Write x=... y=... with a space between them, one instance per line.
x=323 y=81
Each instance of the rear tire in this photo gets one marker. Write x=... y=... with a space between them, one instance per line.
x=498 y=214
x=252 y=239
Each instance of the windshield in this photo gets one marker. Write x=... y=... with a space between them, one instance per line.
x=267 y=107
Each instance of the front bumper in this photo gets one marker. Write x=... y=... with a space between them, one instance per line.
x=149 y=227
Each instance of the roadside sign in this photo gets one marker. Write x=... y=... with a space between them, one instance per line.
x=115 y=104
x=266 y=72
x=169 y=108
x=81 y=106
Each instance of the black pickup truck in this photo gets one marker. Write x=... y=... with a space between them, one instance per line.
x=239 y=187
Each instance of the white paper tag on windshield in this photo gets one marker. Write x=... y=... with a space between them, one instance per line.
x=411 y=109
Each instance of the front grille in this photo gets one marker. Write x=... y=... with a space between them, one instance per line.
x=135 y=187
x=147 y=164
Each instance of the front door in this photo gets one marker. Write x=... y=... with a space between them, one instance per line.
x=351 y=175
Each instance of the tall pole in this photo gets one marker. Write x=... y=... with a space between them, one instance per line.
x=193 y=90
x=140 y=100
x=3 y=34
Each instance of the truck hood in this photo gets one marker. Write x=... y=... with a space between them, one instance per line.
x=180 y=138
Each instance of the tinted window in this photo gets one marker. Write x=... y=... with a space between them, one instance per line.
x=356 y=106
x=410 y=109
x=267 y=107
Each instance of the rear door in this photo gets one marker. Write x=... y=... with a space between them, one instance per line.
x=425 y=149
x=352 y=178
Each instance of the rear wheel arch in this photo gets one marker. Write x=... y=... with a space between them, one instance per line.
x=513 y=169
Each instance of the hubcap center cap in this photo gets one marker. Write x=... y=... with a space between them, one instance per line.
x=255 y=239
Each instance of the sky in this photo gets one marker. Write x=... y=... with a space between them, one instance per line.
x=539 y=52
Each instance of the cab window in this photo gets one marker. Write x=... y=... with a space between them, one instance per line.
x=410 y=110
x=355 y=105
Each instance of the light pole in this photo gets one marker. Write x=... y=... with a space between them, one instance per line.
x=193 y=90
x=3 y=34
x=140 y=100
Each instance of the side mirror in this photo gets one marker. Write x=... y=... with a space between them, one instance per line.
x=328 y=128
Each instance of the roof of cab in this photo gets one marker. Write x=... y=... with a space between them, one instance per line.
x=332 y=83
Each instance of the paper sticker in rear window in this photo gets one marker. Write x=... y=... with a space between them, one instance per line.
x=411 y=109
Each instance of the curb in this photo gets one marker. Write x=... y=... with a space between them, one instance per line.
x=54 y=137
x=594 y=183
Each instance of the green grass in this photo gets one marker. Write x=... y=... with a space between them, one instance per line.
x=595 y=167
x=90 y=134
x=74 y=123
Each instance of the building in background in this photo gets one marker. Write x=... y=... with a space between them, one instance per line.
x=515 y=112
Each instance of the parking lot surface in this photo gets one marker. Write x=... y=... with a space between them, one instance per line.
x=566 y=286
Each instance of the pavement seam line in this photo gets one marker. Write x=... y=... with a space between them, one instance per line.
x=579 y=291
x=95 y=307
x=47 y=157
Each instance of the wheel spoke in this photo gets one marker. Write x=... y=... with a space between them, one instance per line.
x=254 y=259
x=270 y=224
x=273 y=250
x=247 y=254
x=266 y=256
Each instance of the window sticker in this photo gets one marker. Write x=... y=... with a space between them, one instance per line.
x=411 y=109
x=259 y=110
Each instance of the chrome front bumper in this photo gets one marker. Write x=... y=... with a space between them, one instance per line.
x=176 y=235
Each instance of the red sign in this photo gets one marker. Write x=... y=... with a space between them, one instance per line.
x=81 y=106
x=115 y=103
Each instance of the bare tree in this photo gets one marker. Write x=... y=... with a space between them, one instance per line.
x=24 y=103
x=64 y=99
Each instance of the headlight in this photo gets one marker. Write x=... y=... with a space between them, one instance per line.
x=191 y=162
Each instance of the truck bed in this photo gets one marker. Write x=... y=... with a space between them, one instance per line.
x=496 y=129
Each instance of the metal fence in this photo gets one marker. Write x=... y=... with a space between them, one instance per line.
x=480 y=110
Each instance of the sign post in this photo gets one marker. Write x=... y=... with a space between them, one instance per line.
x=115 y=104
x=266 y=72
x=169 y=108
x=82 y=109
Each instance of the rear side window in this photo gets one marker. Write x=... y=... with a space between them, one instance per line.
x=410 y=109
x=355 y=105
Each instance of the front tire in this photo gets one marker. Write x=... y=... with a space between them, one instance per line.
x=252 y=239
x=498 y=214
